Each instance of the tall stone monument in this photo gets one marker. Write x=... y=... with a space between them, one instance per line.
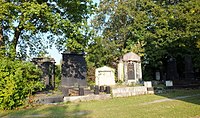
x=73 y=70
x=129 y=68
x=47 y=66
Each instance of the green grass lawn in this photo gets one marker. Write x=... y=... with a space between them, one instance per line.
x=129 y=107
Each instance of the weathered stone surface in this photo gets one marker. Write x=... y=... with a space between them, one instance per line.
x=129 y=68
x=73 y=70
x=105 y=76
x=47 y=66
x=129 y=91
x=87 y=98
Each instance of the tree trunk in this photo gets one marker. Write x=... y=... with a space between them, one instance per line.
x=1 y=37
x=16 y=38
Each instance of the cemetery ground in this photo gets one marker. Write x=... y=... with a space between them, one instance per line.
x=174 y=103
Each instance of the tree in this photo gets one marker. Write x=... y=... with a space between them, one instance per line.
x=154 y=29
x=25 y=22
x=18 y=80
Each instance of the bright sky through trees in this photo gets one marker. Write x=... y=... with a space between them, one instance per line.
x=53 y=52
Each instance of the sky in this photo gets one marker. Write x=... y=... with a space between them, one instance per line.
x=54 y=53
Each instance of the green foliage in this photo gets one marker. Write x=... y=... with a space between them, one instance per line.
x=34 y=25
x=17 y=82
x=57 y=76
x=154 y=29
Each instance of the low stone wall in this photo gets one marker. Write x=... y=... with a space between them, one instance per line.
x=86 y=98
x=129 y=91
x=116 y=92
x=48 y=99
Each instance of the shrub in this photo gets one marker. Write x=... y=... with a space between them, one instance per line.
x=17 y=82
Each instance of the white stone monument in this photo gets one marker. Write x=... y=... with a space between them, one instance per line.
x=148 y=83
x=129 y=68
x=104 y=76
x=169 y=83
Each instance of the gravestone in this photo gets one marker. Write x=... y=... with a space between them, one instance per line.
x=157 y=75
x=101 y=89
x=189 y=73
x=148 y=83
x=129 y=68
x=172 y=69
x=73 y=70
x=96 y=89
x=105 y=76
x=169 y=83
x=107 y=90
x=47 y=66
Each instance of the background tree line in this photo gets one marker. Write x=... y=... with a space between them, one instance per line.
x=154 y=29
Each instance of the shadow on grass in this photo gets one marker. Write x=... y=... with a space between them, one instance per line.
x=187 y=95
x=49 y=111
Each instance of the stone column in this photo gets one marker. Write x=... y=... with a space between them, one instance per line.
x=53 y=75
x=120 y=70
x=125 y=72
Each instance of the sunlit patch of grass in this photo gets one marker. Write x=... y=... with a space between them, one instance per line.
x=127 y=107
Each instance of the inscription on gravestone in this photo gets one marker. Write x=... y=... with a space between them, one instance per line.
x=73 y=70
x=131 y=71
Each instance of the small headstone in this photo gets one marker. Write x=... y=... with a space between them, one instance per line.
x=81 y=91
x=158 y=75
x=169 y=83
x=101 y=88
x=96 y=89
x=148 y=83
x=107 y=90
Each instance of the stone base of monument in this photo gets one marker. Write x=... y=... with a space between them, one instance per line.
x=85 y=94
x=47 y=98
x=75 y=91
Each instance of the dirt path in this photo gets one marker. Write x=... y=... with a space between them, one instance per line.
x=170 y=99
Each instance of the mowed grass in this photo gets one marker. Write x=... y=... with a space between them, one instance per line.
x=127 y=107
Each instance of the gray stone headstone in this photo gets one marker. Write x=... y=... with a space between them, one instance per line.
x=189 y=73
x=96 y=89
x=172 y=73
x=107 y=90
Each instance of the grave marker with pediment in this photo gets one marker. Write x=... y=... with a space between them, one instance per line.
x=129 y=68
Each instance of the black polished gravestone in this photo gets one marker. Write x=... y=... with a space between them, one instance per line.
x=73 y=70
x=47 y=66
x=188 y=73
x=172 y=73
